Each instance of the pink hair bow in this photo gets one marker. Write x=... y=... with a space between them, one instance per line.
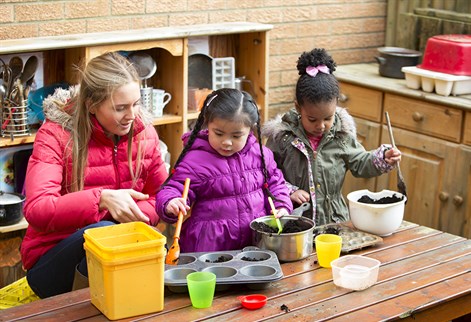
x=312 y=71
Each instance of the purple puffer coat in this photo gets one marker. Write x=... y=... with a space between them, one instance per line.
x=226 y=194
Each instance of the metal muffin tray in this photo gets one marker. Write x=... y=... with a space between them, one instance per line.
x=251 y=266
x=351 y=238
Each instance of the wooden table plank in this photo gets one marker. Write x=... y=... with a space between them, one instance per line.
x=410 y=305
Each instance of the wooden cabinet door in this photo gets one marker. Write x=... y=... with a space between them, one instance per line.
x=368 y=135
x=458 y=193
x=426 y=164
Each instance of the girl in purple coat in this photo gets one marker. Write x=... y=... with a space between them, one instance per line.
x=231 y=174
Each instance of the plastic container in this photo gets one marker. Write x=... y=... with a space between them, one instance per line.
x=449 y=54
x=442 y=84
x=16 y=293
x=223 y=72
x=378 y=219
x=126 y=269
x=355 y=272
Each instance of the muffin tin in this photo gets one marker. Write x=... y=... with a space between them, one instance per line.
x=251 y=266
x=351 y=238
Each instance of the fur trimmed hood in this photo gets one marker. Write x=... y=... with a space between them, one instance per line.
x=56 y=107
x=282 y=123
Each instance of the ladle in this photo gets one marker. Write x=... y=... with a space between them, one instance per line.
x=29 y=70
x=16 y=67
x=145 y=65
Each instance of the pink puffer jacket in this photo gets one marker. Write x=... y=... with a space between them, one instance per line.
x=52 y=213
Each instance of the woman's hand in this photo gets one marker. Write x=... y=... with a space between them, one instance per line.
x=176 y=205
x=300 y=196
x=122 y=205
x=392 y=156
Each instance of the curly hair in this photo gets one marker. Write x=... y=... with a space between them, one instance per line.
x=321 y=87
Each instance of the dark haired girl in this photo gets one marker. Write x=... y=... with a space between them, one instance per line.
x=231 y=177
x=315 y=144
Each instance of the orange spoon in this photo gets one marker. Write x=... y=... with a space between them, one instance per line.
x=174 y=252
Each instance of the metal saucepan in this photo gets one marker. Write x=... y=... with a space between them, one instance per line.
x=392 y=59
x=288 y=247
x=11 y=208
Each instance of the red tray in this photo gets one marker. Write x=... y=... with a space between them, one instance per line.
x=450 y=54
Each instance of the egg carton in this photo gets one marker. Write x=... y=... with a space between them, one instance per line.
x=351 y=238
x=252 y=266
x=440 y=83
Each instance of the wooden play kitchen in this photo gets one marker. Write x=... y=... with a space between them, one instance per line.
x=424 y=276
x=432 y=131
x=169 y=48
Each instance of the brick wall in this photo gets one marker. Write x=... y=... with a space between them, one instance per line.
x=350 y=30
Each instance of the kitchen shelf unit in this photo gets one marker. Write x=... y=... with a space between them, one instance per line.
x=433 y=134
x=169 y=48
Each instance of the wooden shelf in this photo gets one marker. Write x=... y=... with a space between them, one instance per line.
x=167 y=119
x=23 y=224
x=19 y=140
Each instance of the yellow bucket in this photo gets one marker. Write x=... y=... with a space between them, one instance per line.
x=126 y=269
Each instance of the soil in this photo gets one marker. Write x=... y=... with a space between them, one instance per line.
x=220 y=259
x=381 y=201
x=252 y=259
x=328 y=230
x=291 y=226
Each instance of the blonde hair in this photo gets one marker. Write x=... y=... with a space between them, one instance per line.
x=99 y=79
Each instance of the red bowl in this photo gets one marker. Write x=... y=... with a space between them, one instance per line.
x=449 y=54
x=253 y=302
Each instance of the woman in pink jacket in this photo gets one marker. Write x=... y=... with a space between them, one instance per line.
x=96 y=161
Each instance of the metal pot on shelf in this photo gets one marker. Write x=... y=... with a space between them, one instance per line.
x=11 y=208
x=392 y=59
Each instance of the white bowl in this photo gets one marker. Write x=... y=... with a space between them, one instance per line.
x=355 y=272
x=377 y=219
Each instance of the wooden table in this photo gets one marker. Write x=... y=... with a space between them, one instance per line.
x=425 y=275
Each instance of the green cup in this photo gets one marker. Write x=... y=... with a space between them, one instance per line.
x=201 y=287
x=328 y=247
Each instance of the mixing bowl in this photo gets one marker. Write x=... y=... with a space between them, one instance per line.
x=287 y=246
x=379 y=219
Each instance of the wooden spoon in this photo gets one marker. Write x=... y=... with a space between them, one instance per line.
x=401 y=185
x=174 y=252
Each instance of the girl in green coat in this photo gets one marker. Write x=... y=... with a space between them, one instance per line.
x=315 y=144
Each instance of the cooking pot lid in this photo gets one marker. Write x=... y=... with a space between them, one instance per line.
x=10 y=198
